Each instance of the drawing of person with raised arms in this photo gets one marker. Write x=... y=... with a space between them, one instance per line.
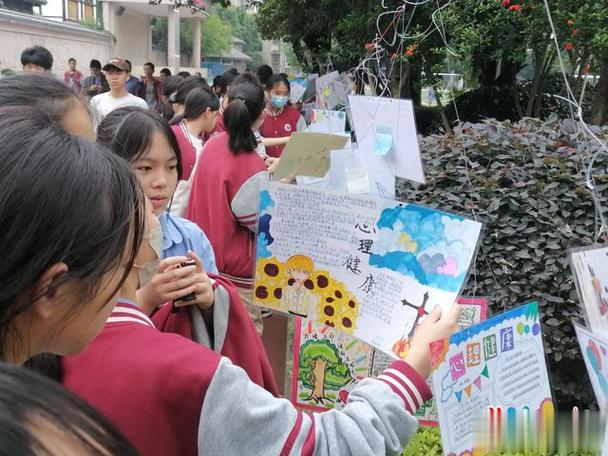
x=297 y=297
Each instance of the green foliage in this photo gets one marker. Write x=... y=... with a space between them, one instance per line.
x=216 y=35
x=427 y=441
x=243 y=26
x=525 y=182
x=337 y=373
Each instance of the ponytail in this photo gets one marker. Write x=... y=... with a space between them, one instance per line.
x=246 y=104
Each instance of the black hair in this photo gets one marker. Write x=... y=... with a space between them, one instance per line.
x=217 y=80
x=245 y=105
x=189 y=84
x=184 y=74
x=95 y=64
x=128 y=133
x=166 y=72
x=264 y=72
x=97 y=216
x=37 y=55
x=71 y=59
x=41 y=92
x=128 y=62
x=197 y=102
x=275 y=80
x=171 y=85
x=233 y=71
x=150 y=64
x=30 y=403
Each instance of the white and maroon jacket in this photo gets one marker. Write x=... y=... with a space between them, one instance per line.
x=171 y=396
x=224 y=203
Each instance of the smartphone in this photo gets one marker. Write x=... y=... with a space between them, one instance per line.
x=188 y=297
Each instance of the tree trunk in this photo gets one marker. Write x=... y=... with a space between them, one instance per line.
x=318 y=380
x=599 y=111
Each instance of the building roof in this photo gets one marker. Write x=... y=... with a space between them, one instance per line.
x=233 y=53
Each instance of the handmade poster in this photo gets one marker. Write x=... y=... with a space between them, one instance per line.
x=499 y=362
x=339 y=90
x=330 y=122
x=298 y=88
x=594 y=348
x=367 y=266
x=590 y=269
x=386 y=136
x=323 y=89
x=316 y=344
x=307 y=154
x=346 y=174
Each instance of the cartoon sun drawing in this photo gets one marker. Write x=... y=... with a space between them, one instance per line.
x=308 y=290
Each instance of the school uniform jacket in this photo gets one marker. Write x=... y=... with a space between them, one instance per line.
x=224 y=203
x=233 y=336
x=284 y=123
x=187 y=150
x=170 y=396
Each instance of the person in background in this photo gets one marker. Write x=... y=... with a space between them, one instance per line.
x=73 y=77
x=38 y=416
x=132 y=82
x=189 y=84
x=96 y=83
x=150 y=88
x=217 y=85
x=117 y=72
x=165 y=73
x=281 y=119
x=184 y=74
x=264 y=72
x=170 y=86
x=37 y=59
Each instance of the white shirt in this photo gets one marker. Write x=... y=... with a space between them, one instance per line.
x=104 y=103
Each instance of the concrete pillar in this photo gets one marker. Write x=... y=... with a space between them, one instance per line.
x=196 y=43
x=173 y=50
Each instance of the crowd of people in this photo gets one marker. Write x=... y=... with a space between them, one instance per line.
x=128 y=240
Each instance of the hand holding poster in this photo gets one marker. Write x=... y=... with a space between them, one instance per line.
x=366 y=266
x=500 y=362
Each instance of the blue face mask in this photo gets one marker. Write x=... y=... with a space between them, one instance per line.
x=279 y=102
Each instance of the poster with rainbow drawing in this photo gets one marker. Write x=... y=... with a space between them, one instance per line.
x=496 y=363
x=594 y=348
x=590 y=268
x=370 y=267
x=353 y=360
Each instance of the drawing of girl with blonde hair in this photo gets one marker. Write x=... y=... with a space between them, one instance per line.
x=297 y=297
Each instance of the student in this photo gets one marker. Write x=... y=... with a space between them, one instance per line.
x=37 y=59
x=165 y=73
x=281 y=119
x=96 y=82
x=66 y=255
x=221 y=89
x=199 y=118
x=117 y=72
x=264 y=72
x=170 y=87
x=170 y=396
x=150 y=88
x=37 y=416
x=51 y=97
x=73 y=77
x=190 y=83
x=132 y=82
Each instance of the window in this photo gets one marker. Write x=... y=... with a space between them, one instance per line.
x=80 y=10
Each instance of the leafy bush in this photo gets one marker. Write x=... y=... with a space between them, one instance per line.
x=525 y=181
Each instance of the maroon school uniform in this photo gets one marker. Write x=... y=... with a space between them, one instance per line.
x=278 y=126
x=186 y=149
x=172 y=397
x=239 y=342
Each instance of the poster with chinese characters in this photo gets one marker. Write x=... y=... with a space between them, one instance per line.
x=590 y=268
x=594 y=348
x=499 y=362
x=366 y=266
x=386 y=134
x=355 y=360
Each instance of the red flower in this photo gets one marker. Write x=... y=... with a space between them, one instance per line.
x=575 y=32
x=515 y=8
x=410 y=50
x=369 y=46
x=570 y=22
x=569 y=47
x=586 y=69
x=506 y=3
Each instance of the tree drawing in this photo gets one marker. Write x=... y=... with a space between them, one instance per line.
x=320 y=368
